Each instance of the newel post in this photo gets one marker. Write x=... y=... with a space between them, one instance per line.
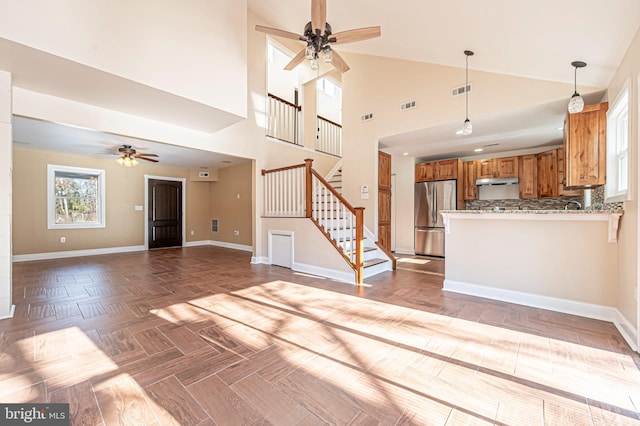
x=359 y=244
x=308 y=162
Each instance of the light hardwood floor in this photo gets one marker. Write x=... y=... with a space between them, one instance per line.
x=199 y=336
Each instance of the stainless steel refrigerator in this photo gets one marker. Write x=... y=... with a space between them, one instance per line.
x=430 y=199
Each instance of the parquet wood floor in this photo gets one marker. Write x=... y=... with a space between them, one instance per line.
x=199 y=336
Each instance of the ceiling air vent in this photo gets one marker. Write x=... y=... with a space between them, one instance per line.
x=408 y=105
x=366 y=117
x=461 y=90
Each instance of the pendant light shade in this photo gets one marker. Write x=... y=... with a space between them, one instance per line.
x=467 y=128
x=576 y=103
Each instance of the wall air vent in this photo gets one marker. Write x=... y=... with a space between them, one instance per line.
x=214 y=225
x=408 y=105
x=461 y=90
x=366 y=117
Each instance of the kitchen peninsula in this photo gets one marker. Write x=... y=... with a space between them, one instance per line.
x=563 y=260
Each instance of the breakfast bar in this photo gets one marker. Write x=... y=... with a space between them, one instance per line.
x=564 y=260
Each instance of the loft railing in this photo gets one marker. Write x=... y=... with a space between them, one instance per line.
x=283 y=120
x=329 y=138
x=299 y=191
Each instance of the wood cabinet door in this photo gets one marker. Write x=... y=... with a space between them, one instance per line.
x=507 y=167
x=562 y=180
x=528 y=176
x=486 y=168
x=585 y=145
x=547 y=174
x=384 y=200
x=447 y=169
x=469 y=176
x=425 y=172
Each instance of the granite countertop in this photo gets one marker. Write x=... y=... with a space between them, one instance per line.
x=535 y=211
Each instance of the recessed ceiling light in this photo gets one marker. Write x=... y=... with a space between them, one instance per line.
x=405 y=153
x=203 y=167
x=459 y=132
x=560 y=129
x=478 y=150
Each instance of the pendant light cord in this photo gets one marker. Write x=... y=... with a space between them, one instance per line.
x=466 y=87
x=575 y=80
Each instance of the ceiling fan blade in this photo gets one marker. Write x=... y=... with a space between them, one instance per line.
x=147 y=159
x=142 y=154
x=296 y=60
x=358 y=34
x=339 y=62
x=280 y=33
x=318 y=15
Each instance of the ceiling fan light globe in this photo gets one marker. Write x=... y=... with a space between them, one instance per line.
x=576 y=104
x=467 y=127
x=327 y=57
x=314 y=65
x=310 y=52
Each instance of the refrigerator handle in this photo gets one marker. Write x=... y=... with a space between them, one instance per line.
x=434 y=207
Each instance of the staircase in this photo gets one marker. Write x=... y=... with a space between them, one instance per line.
x=299 y=191
x=375 y=260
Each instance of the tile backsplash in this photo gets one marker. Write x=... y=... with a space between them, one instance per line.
x=525 y=204
x=597 y=203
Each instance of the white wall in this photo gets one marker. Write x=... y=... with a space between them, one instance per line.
x=196 y=50
x=6 y=155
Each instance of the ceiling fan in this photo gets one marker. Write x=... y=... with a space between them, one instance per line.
x=129 y=155
x=319 y=38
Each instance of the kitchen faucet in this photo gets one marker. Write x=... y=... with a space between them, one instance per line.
x=577 y=203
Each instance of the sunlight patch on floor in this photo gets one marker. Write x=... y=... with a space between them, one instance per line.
x=411 y=260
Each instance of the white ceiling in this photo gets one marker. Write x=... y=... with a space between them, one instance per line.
x=529 y=38
x=43 y=135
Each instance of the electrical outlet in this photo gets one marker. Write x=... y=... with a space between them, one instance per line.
x=63 y=240
x=236 y=233
x=193 y=232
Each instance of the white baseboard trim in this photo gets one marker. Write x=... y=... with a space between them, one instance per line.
x=74 y=253
x=223 y=244
x=257 y=260
x=12 y=312
x=588 y=310
x=628 y=331
x=325 y=272
x=404 y=251
x=231 y=245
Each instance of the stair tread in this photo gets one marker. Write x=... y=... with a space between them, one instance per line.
x=374 y=262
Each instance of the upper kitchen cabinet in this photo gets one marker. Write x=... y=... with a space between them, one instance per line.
x=562 y=180
x=469 y=172
x=547 y=174
x=498 y=167
x=528 y=176
x=425 y=172
x=585 y=154
x=438 y=170
x=447 y=169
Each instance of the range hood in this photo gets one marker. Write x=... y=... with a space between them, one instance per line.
x=497 y=181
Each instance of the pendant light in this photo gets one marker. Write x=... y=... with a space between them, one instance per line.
x=467 y=128
x=576 y=104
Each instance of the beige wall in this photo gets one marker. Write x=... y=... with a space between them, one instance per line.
x=565 y=259
x=403 y=169
x=230 y=203
x=628 y=246
x=124 y=190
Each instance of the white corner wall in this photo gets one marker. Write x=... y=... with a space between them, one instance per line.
x=196 y=50
x=6 y=159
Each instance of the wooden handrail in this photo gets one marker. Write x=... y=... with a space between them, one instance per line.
x=329 y=121
x=334 y=192
x=298 y=107
x=281 y=169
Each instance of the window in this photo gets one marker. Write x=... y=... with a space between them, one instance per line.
x=75 y=197
x=617 y=188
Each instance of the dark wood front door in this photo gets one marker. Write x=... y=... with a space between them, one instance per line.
x=165 y=213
